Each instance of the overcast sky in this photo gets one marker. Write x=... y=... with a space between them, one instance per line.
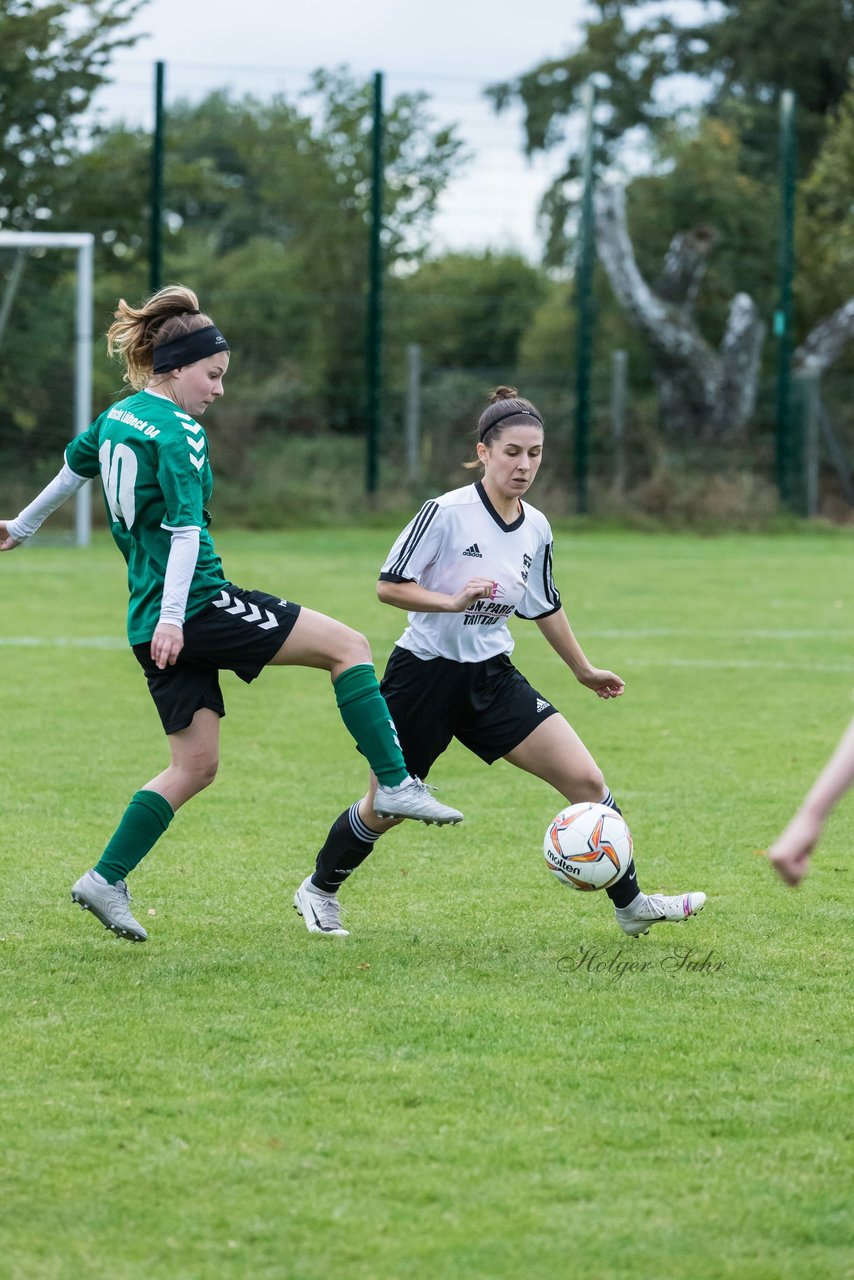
x=486 y=39
x=450 y=48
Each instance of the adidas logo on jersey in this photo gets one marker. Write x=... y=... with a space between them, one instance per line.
x=542 y=704
x=473 y=550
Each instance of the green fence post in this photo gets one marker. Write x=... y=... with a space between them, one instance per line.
x=584 y=305
x=375 y=299
x=785 y=442
x=155 y=258
x=806 y=414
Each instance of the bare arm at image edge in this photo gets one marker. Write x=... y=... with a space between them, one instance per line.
x=791 y=851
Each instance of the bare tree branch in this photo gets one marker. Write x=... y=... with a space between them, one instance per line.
x=826 y=340
x=704 y=393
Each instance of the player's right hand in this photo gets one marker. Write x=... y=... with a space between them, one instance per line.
x=475 y=589
x=166 y=643
x=7 y=542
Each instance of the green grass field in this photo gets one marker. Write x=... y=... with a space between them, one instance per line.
x=473 y=1086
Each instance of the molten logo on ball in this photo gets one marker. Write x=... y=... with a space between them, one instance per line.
x=588 y=846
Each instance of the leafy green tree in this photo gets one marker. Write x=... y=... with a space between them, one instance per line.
x=473 y=316
x=749 y=50
x=468 y=311
x=742 y=54
x=295 y=180
x=295 y=172
x=266 y=215
x=825 y=222
x=825 y=248
x=53 y=58
x=705 y=195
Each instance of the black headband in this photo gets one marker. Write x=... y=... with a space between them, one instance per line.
x=514 y=413
x=189 y=348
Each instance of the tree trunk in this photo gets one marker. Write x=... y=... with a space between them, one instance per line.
x=705 y=394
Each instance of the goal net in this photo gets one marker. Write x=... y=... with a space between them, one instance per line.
x=24 y=378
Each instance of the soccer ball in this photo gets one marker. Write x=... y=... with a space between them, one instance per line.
x=588 y=846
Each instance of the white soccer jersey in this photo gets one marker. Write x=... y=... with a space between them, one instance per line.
x=461 y=536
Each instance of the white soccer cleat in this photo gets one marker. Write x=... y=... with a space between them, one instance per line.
x=413 y=798
x=655 y=908
x=320 y=911
x=109 y=903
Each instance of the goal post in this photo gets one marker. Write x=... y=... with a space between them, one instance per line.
x=83 y=242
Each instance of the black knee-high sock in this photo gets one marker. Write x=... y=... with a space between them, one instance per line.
x=348 y=844
x=626 y=889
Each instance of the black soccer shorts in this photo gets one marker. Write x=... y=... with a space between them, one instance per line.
x=240 y=631
x=488 y=706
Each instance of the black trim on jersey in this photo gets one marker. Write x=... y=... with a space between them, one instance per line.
x=535 y=617
x=550 y=591
x=420 y=525
x=502 y=524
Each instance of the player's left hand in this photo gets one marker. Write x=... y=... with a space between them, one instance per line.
x=166 y=643
x=605 y=684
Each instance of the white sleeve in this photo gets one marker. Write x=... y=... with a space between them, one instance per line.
x=416 y=547
x=180 y=567
x=51 y=497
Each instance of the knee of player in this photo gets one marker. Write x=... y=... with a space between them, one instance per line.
x=590 y=785
x=201 y=771
x=356 y=648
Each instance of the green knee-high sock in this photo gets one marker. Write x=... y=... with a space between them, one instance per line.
x=364 y=712
x=145 y=819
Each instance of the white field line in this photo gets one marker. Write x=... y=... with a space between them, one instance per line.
x=754 y=633
x=594 y=633
x=63 y=642
x=630 y=660
x=726 y=664
x=741 y=664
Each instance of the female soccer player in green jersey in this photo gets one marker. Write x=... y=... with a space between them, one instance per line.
x=463 y=566
x=186 y=620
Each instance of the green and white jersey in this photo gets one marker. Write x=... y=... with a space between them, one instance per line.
x=153 y=462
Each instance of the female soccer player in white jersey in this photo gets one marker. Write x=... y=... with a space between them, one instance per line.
x=467 y=562
x=186 y=620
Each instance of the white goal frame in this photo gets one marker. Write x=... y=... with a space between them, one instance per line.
x=83 y=242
